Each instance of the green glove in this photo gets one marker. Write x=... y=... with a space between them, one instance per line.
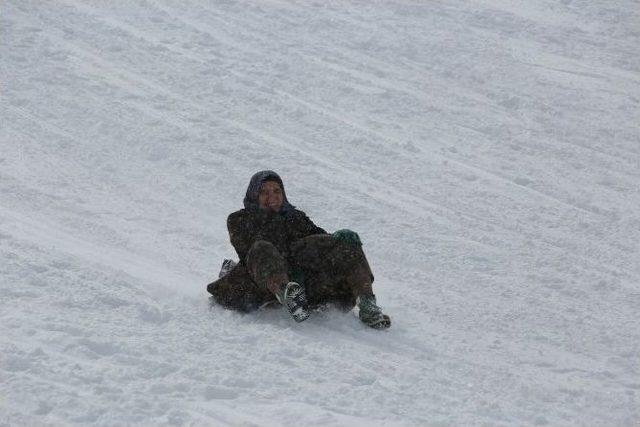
x=347 y=236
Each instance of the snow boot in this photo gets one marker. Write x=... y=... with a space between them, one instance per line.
x=294 y=298
x=370 y=314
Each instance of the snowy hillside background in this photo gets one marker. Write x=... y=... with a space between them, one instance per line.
x=488 y=153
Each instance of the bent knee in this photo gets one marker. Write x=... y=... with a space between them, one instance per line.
x=262 y=251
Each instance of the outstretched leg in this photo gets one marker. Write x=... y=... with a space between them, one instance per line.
x=360 y=281
x=342 y=274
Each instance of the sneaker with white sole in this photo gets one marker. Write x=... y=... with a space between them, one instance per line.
x=294 y=298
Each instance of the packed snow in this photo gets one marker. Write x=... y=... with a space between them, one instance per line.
x=487 y=152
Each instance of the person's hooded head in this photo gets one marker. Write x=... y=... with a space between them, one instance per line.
x=266 y=192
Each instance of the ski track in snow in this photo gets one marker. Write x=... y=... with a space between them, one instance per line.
x=487 y=152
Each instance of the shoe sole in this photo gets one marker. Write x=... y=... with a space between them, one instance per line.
x=383 y=323
x=300 y=317
x=300 y=314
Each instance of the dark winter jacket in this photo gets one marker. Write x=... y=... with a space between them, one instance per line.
x=282 y=229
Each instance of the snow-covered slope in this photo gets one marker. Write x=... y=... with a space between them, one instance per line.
x=488 y=153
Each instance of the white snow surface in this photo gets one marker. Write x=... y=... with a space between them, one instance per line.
x=487 y=152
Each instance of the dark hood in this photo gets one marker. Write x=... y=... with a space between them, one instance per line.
x=251 y=198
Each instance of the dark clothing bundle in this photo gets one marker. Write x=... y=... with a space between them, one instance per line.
x=285 y=242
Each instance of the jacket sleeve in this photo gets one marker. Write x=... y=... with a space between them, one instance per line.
x=239 y=233
x=307 y=227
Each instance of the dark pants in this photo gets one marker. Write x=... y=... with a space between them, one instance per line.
x=332 y=273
